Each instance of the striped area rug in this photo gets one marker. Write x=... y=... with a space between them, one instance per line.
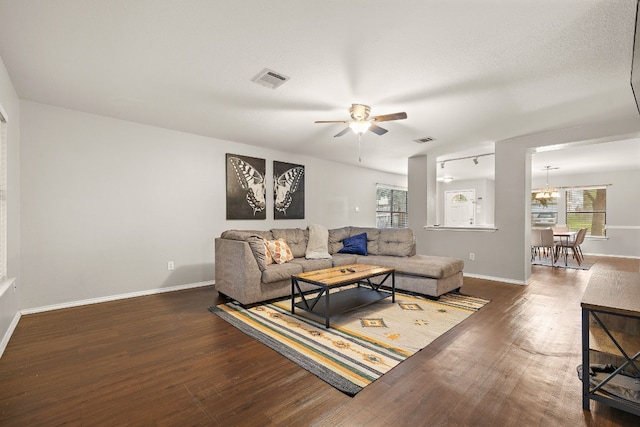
x=361 y=345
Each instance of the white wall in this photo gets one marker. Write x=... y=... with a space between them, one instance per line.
x=107 y=203
x=10 y=298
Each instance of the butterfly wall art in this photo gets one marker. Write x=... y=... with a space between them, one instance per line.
x=288 y=191
x=246 y=192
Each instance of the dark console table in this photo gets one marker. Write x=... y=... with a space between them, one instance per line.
x=611 y=335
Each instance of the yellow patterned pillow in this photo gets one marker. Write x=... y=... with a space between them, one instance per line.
x=280 y=251
x=267 y=252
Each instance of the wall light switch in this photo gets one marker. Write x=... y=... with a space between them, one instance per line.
x=357 y=209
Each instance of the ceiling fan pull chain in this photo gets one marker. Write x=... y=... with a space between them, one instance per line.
x=359 y=140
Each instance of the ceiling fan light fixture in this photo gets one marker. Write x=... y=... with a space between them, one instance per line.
x=360 y=126
x=359 y=112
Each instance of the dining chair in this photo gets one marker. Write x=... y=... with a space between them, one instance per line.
x=542 y=244
x=574 y=245
x=579 y=241
x=548 y=244
x=536 y=241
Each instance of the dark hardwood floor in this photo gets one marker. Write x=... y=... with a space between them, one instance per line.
x=166 y=360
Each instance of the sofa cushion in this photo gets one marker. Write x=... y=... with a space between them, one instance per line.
x=312 y=264
x=344 y=259
x=336 y=236
x=259 y=249
x=296 y=238
x=417 y=265
x=318 y=244
x=279 y=272
x=280 y=251
x=372 y=237
x=395 y=242
x=355 y=245
x=245 y=234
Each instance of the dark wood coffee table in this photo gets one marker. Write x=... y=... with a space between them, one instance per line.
x=327 y=304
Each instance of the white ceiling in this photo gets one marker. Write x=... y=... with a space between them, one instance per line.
x=467 y=73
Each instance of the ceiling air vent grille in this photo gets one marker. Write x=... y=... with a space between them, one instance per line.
x=424 y=140
x=269 y=78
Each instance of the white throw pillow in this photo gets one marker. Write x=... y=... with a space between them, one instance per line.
x=318 y=245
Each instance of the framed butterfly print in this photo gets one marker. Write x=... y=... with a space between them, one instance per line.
x=288 y=191
x=246 y=193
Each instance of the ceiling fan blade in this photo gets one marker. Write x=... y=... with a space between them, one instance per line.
x=388 y=117
x=331 y=121
x=341 y=132
x=377 y=129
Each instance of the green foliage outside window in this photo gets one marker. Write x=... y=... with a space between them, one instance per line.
x=587 y=208
x=391 y=208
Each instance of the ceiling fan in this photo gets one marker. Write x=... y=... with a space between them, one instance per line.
x=361 y=121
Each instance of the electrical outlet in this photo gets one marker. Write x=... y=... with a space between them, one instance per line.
x=472 y=256
x=170 y=266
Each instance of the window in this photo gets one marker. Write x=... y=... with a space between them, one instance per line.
x=544 y=212
x=391 y=209
x=587 y=208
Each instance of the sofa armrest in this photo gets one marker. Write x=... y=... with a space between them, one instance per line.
x=237 y=271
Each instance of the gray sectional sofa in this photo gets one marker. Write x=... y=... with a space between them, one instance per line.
x=243 y=274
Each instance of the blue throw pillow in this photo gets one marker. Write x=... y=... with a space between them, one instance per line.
x=355 y=245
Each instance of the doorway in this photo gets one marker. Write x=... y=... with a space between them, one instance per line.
x=459 y=208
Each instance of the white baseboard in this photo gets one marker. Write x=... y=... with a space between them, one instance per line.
x=612 y=256
x=520 y=282
x=7 y=335
x=115 y=297
x=495 y=279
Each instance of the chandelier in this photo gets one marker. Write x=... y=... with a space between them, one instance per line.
x=547 y=192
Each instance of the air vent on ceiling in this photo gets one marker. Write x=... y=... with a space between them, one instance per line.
x=424 y=140
x=269 y=78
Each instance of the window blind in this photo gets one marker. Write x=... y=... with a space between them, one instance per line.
x=391 y=207
x=587 y=208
